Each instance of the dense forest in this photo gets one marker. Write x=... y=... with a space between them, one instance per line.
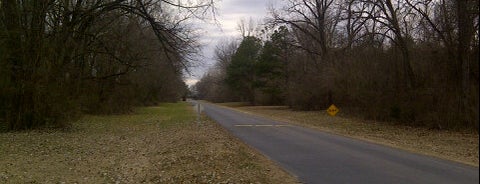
x=60 y=59
x=413 y=62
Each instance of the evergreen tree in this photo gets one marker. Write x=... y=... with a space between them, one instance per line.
x=241 y=72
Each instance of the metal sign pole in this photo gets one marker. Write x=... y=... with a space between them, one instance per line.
x=198 y=113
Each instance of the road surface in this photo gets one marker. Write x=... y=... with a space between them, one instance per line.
x=318 y=157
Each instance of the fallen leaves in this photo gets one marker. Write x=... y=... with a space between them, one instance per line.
x=152 y=146
x=458 y=146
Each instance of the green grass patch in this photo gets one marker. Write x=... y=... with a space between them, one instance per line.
x=163 y=116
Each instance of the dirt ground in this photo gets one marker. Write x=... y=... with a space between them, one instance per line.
x=452 y=145
x=160 y=144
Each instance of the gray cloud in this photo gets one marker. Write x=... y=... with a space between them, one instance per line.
x=230 y=12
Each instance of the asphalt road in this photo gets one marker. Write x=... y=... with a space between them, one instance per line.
x=319 y=157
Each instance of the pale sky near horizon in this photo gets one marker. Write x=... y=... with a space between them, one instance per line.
x=229 y=13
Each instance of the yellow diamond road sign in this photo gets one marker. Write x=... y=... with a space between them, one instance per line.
x=332 y=110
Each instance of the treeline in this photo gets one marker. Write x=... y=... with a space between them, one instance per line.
x=414 y=62
x=59 y=59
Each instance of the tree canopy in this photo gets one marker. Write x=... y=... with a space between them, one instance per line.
x=63 y=58
x=413 y=62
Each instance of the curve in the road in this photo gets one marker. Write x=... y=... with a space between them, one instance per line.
x=319 y=157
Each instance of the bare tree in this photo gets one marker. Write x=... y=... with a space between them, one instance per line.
x=54 y=49
x=390 y=16
x=454 y=24
x=311 y=17
x=351 y=17
x=247 y=29
x=223 y=53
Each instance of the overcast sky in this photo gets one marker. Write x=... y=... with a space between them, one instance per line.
x=229 y=13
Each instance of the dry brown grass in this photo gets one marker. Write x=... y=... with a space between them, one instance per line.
x=458 y=146
x=155 y=145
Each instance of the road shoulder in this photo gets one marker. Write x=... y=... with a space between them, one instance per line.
x=456 y=146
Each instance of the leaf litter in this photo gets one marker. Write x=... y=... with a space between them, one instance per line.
x=460 y=146
x=150 y=146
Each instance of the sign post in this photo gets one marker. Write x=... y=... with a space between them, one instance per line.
x=199 y=110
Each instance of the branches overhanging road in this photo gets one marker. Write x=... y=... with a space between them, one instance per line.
x=319 y=157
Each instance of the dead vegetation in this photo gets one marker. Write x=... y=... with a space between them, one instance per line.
x=459 y=146
x=155 y=145
x=413 y=62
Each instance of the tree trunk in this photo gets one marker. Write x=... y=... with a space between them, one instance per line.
x=407 y=69
x=465 y=34
x=11 y=15
x=409 y=77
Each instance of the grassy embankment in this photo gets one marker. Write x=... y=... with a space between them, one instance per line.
x=452 y=145
x=153 y=145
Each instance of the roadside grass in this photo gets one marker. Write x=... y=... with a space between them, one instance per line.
x=452 y=145
x=161 y=144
